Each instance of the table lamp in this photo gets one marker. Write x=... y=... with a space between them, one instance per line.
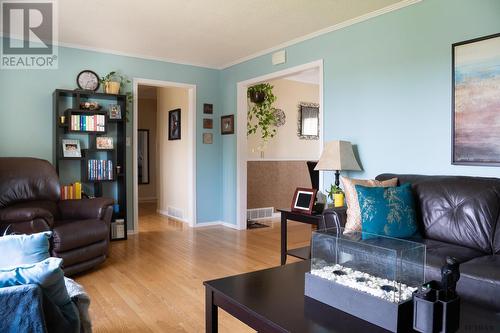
x=337 y=156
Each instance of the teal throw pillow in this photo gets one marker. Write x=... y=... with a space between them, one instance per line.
x=17 y=250
x=388 y=211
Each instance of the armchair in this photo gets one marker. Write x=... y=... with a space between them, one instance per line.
x=30 y=202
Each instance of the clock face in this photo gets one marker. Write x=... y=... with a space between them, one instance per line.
x=88 y=80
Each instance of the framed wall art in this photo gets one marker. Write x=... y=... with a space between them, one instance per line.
x=174 y=124
x=476 y=101
x=227 y=124
x=208 y=108
x=208 y=138
x=208 y=123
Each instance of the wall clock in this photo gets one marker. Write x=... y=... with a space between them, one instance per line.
x=88 y=80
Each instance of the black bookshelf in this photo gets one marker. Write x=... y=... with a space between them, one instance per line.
x=75 y=169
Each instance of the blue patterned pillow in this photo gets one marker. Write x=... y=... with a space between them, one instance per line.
x=388 y=211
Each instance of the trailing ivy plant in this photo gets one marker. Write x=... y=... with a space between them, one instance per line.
x=262 y=116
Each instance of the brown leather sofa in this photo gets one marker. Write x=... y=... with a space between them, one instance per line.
x=30 y=202
x=460 y=217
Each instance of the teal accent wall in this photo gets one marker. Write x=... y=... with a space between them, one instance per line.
x=387 y=88
x=26 y=119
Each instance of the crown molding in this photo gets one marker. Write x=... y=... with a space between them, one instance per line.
x=134 y=55
x=341 y=25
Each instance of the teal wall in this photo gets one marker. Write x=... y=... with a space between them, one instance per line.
x=387 y=88
x=26 y=120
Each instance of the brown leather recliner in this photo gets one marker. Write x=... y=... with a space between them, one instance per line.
x=30 y=202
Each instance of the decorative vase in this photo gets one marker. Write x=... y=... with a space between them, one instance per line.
x=257 y=97
x=112 y=87
x=338 y=199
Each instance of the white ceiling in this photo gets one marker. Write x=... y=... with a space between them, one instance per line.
x=310 y=76
x=211 y=33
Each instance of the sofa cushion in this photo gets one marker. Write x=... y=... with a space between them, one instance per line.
x=27 y=179
x=457 y=209
x=353 y=222
x=388 y=211
x=70 y=235
x=82 y=254
x=480 y=281
x=24 y=249
x=436 y=253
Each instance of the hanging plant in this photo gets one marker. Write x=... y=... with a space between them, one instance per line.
x=262 y=115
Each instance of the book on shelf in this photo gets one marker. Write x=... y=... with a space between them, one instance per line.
x=72 y=191
x=118 y=229
x=88 y=123
x=100 y=169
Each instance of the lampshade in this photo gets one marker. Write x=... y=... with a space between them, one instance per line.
x=337 y=155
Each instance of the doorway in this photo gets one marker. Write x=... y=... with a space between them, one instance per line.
x=164 y=127
x=244 y=151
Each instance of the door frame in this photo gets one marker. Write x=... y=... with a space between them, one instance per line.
x=241 y=145
x=191 y=218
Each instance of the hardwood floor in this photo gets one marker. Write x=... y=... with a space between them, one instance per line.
x=153 y=282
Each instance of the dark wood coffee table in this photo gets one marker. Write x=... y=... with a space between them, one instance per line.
x=272 y=300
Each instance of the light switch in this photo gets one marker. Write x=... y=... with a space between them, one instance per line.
x=127 y=141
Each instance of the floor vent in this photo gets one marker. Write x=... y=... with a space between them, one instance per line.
x=260 y=213
x=175 y=212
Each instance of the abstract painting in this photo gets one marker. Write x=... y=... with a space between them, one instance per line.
x=476 y=101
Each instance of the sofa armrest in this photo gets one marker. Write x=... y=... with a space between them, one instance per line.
x=12 y=215
x=84 y=209
x=333 y=218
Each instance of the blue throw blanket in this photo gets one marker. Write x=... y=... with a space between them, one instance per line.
x=25 y=309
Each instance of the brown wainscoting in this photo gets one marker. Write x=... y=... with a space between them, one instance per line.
x=272 y=183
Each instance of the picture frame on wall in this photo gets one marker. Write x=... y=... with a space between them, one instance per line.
x=208 y=138
x=208 y=108
x=208 y=123
x=475 y=101
x=174 y=124
x=71 y=148
x=227 y=124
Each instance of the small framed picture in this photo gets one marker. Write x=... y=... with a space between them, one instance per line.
x=208 y=138
x=104 y=142
x=208 y=123
x=174 y=124
x=227 y=124
x=303 y=200
x=208 y=108
x=115 y=111
x=71 y=148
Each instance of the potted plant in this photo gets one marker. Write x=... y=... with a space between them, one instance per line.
x=262 y=114
x=113 y=82
x=336 y=195
x=257 y=94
